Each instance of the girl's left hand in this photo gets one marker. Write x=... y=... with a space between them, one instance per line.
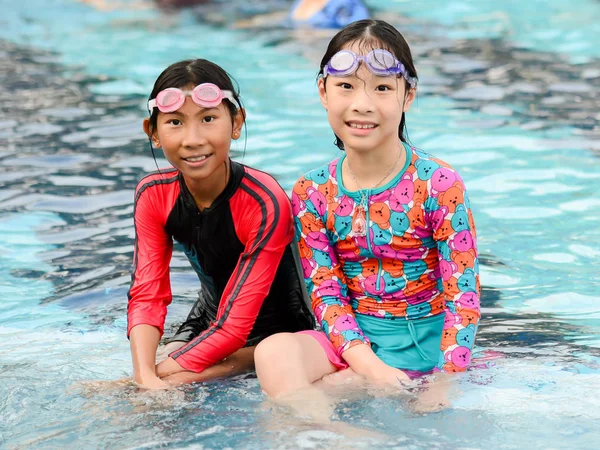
x=168 y=367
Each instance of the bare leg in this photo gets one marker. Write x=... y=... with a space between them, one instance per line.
x=287 y=365
x=163 y=352
x=240 y=362
x=287 y=362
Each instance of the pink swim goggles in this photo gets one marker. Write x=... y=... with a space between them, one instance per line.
x=206 y=95
x=378 y=61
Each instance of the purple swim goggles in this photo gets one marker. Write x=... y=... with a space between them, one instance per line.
x=378 y=61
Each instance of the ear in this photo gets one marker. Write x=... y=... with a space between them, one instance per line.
x=152 y=134
x=322 y=92
x=238 y=122
x=409 y=98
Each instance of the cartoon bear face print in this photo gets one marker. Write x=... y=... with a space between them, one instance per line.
x=333 y=312
x=317 y=240
x=369 y=268
x=418 y=311
x=420 y=190
x=425 y=296
x=444 y=250
x=460 y=219
x=460 y=356
x=343 y=226
x=309 y=223
x=452 y=198
x=467 y=281
x=414 y=269
x=380 y=214
x=329 y=190
x=468 y=317
x=319 y=176
x=464 y=259
x=330 y=287
x=384 y=251
x=345 y=207
x=393 y=284
x=469 y=300
x=352 y=269
x=370 y=283
x=381 y=236
x=318 y=202
x=462 y=242
x=415 y=215
x=305 y=250
x=300 y=188
x=466 y=336
x=445 y=229
x=394 y=267
x=425 y=168
x=411 y=254
x=437 y=307
x=451 y=319
x=352 y=335
x=297 y=204
x=442 y=179
x=449 y=337
x=322 y=258
x=344 y=323
x=451 y=287
x=323 y=273
x=447 y=268
x=404 y=191
x=399 y=223
x=412 y=289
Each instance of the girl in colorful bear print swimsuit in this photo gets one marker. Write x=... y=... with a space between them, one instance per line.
x=385 y=234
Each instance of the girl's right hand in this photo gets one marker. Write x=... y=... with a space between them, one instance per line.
x=366 y=363
x=388 y=375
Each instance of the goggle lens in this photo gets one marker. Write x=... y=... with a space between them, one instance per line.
x=381 y=60
x=206 y=95
x=342 y=61
x=168 y=98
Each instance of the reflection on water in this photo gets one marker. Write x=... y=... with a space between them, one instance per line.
x=521 y=126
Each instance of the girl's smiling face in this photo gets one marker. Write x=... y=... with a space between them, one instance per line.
x=196 y=140
x=365 y=110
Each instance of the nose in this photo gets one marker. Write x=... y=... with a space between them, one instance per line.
x=193 y=136
x=362 y=102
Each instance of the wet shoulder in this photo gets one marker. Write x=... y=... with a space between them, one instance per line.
x=162 y=179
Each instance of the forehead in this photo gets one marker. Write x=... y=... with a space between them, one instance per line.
x=364 y=46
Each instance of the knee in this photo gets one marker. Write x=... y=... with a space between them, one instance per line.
x=276 y=358
x=271 y=350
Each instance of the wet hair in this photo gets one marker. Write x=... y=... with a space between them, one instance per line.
x=370 y=34
x=192 y=72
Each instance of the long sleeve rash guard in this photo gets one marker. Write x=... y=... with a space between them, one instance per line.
x=240 y=249
x=418 y=258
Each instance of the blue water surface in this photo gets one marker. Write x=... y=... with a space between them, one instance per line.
x=509 y=94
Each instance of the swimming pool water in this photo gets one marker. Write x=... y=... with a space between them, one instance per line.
x=504 y=100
